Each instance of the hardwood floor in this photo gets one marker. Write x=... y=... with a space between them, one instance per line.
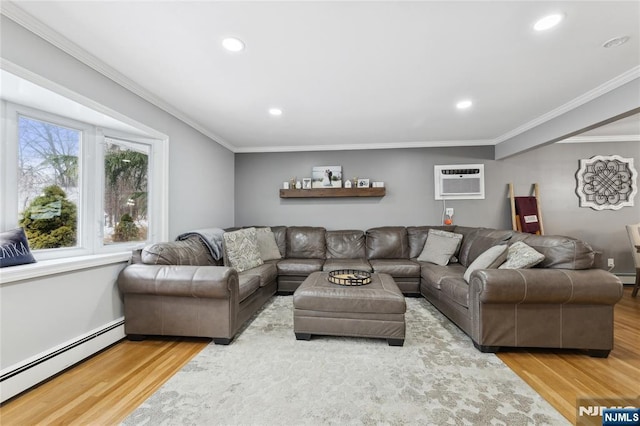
x=104 y=389
x=563 y=376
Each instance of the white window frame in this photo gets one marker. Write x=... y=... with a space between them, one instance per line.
x=154 y=180
x=91 y=176
x=87 y=141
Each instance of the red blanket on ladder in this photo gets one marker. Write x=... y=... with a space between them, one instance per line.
x=527 y=211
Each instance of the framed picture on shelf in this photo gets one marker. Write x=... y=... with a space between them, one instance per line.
x=363 y=183
x=306 y=183
x=326 y=177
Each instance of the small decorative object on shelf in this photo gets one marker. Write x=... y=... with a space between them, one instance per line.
x=306 y=183
x=298 y=185
x=349 y=277
x=347 y=183
x=377 y=184
x=285 y=185
x=363 y=183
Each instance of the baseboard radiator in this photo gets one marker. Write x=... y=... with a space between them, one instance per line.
x=24 y=375
x=627 y=278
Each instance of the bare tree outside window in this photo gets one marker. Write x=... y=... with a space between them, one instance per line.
x=48 y=183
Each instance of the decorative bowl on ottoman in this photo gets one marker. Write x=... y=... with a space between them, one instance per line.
x=349 y=277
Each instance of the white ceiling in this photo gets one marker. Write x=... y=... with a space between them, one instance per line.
x=354 y=74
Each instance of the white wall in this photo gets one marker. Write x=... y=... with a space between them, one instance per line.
x=408 y=174
x=40 y=314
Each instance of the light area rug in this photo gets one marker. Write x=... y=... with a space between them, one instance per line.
x=267 y=377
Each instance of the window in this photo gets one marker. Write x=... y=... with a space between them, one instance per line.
x=126 y=173
x=77 y=188
x=48 y=183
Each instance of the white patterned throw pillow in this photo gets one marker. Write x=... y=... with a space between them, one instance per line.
x=521 y=256
x=242 y=249
x=440 y=246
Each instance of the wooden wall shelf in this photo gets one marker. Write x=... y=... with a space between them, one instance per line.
x=332 y=192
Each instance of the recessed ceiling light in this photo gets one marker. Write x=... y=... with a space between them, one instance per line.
x=548 y=22
x=464 y=104
x=615 y=42
x=275 y=111
x=233 y=44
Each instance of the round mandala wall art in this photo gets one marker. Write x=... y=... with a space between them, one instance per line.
x=606 y=182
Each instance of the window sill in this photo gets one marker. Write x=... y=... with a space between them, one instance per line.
x=57 y=266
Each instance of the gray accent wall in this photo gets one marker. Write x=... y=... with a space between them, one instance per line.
x=409 y=200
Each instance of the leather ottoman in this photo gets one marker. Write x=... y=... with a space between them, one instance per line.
x=374 y=310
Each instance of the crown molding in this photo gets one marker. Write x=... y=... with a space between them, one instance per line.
x=22 y=18
x=366 y=146
x=592 y=139
x=604 y=88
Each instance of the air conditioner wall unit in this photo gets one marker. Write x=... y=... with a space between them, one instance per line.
x=459 y=182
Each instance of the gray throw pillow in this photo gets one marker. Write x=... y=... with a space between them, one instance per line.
x=242 y=249
x=440 y=246
x=267 y=245
x=521 y=256
x=489 y=259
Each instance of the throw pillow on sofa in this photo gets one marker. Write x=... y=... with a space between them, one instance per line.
x=267 y=245
x=521 y=256
x=242 y=249
x=14 y=248
x=489 y=259
x=440 y=246
x=560 y=251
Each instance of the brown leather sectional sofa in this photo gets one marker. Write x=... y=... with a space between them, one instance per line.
x=561 y=303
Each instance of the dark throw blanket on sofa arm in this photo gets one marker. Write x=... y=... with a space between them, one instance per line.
x=211 y=237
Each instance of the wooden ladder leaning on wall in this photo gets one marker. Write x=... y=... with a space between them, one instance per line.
x=526 y=215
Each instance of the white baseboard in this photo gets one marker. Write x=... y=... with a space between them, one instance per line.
x=20 y=377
